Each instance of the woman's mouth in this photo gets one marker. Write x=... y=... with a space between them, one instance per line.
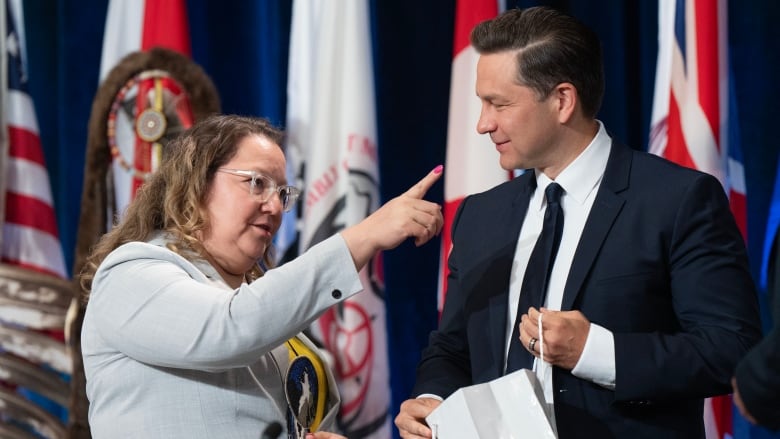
x=264 y=227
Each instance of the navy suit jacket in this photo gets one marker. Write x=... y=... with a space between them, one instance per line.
x=660 y=263
x=758 y=374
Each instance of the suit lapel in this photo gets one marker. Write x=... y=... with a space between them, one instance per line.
x=605 y=210
x=499 y=303
x=498 y=314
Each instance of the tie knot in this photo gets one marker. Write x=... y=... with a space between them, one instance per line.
x=553 y=192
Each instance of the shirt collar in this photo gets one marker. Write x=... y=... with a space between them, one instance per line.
x=582 y=175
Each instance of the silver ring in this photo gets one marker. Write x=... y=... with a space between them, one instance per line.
x=531 y=344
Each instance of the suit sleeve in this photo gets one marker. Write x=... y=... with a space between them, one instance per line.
x=713 y=301
x=445 y=365
x=758 y=377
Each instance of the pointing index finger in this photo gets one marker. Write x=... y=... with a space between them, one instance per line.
x=421 y=188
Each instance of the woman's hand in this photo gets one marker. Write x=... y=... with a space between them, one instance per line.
x=405 y=216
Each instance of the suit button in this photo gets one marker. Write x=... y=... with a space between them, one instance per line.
x=336 y=294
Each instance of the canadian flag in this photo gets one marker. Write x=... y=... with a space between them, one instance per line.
x=133 y=26
x=141 y=25
x=470 y=166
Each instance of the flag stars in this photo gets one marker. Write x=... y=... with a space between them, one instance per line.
x=13 y=47
x=12 y=43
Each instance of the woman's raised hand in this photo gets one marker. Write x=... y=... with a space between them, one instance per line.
x=405 y=216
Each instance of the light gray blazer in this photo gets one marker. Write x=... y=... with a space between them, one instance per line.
x=170 y=351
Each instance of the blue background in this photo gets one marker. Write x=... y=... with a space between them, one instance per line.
x=243 y=46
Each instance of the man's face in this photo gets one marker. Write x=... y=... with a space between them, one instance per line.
x=523 y=127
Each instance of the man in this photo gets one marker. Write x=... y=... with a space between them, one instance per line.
x=649 y=303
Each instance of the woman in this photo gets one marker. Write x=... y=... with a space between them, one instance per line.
x=185 y=335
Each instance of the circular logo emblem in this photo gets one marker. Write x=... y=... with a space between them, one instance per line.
x=302 y=391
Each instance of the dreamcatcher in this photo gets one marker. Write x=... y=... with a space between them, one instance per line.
x=147 y=112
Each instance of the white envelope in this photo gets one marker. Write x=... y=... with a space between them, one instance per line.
x=509 y=407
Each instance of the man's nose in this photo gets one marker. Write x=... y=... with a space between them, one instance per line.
x=485 y=124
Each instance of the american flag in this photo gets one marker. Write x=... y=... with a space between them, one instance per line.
x=29 y=235
x=694 y=119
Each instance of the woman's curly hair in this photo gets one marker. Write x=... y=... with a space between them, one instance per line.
x=173 y=198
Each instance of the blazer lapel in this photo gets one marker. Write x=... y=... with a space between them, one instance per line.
x=605 y=210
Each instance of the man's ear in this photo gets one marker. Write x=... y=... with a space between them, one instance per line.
x=566 y=98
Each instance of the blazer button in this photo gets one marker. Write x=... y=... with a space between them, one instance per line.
x=336 y=294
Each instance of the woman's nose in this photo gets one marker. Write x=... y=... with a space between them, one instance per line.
x=273 y=204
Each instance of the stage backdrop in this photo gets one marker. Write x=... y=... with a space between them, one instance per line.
x=243 y=47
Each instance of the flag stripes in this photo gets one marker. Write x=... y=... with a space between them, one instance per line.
x=27 y=177
x=29 y=234
x=25 y=145
x=21 y=111
x=18 y=251
x=33 y=213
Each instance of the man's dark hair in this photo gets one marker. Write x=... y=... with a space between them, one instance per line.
x=552 y=48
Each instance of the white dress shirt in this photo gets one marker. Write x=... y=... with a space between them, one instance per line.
x=580 y=182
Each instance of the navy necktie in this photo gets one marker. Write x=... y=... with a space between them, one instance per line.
x=537 y=275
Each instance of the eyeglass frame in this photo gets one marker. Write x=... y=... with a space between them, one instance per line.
x=271 y=187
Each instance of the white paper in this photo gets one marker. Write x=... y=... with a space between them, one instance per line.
x=509 y=407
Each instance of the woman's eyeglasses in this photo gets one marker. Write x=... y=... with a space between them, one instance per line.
x=263 y=187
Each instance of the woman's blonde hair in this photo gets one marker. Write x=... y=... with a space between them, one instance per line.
x=173 y=198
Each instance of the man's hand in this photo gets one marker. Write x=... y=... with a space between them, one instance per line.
x=741 y=405
x=565 y=333
x=411 y=419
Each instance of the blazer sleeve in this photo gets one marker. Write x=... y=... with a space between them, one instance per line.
x=150 y=308
x=713 y=302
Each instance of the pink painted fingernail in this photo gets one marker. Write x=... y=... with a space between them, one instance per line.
x=438 y=169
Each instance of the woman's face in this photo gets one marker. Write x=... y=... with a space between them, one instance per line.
x=241 y=226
